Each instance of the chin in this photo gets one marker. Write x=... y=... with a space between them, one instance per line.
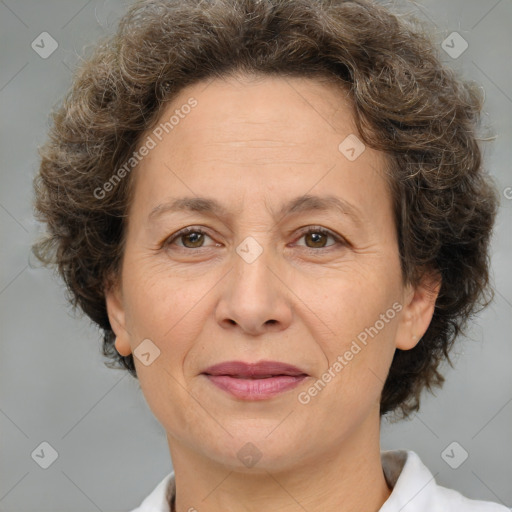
x=252 y=450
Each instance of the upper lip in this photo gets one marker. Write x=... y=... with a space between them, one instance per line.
x=260 y=369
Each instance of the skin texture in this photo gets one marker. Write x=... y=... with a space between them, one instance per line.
x=254 y=143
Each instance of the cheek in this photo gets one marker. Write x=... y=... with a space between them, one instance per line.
x=350 y=386
x=167 y=398
x=168 y=311
x=361 y=311
x=161 y=303
x=351 y=307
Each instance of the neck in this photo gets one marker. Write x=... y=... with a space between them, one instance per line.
x=347 y=478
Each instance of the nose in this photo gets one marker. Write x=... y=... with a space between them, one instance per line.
x=255 y=298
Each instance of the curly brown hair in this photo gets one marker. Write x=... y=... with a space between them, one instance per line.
x=407 y=104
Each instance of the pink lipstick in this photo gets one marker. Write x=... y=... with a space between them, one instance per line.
x=254 y=381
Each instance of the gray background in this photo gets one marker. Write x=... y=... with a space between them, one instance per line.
x=53 y=385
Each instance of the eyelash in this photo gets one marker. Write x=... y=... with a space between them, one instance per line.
x=312 y=229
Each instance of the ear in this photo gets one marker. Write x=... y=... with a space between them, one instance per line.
x=117 y=318
x=418 y=309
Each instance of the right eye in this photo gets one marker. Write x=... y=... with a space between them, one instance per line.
x=190 y=238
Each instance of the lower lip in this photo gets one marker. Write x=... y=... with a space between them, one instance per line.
x=255 y=389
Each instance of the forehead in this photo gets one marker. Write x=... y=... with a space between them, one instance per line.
x=245 y=134
x=289 y=109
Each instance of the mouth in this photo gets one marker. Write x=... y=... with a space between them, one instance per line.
x=254 y=381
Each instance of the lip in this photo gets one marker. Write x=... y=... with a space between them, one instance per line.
x=254 y=381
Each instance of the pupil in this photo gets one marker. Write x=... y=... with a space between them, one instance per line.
x=194 y=237
x=316 y=237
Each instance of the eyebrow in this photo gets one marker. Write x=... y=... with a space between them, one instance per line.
x=300 y=204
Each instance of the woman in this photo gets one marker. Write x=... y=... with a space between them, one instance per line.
x=276 y=212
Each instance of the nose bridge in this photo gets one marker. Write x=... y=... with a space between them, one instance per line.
x=254 y=298
x=252 y=277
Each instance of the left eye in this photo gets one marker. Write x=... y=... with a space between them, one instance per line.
x=317 y=237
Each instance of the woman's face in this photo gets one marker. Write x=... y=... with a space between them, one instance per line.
x=298 y=263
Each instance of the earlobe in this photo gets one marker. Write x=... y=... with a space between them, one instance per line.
x=117 y=318
x=122 y=347
x=418 y=310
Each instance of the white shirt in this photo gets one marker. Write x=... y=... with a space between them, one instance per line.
x=414 y=490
